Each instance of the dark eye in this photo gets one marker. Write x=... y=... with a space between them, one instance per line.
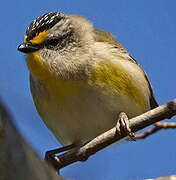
x=52 y=42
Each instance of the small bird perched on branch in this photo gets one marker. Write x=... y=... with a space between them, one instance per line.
x=81 y=79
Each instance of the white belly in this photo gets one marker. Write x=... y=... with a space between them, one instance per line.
x=84 y=116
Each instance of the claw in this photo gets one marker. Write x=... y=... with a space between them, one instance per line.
x=124 y=126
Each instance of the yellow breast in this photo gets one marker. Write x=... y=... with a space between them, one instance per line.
x=112 y=77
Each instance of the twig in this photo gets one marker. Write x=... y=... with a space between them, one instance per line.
x=111 y=136
x=158 y=126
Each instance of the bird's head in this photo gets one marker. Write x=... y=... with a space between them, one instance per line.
x=56 y=31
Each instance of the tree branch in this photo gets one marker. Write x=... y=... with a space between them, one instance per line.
x=111 y=136
x=158 y=126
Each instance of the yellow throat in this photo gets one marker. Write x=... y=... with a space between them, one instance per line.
x=58 y=88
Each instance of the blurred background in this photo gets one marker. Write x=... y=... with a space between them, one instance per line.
x=147 y=29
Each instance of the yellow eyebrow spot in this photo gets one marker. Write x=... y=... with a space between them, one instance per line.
x=25 y=37
x=39 y=38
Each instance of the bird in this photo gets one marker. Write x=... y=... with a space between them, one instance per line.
x=81 y=78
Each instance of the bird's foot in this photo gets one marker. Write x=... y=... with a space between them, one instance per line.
x=122 y=126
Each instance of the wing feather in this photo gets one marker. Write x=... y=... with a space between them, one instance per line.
x=101 y=36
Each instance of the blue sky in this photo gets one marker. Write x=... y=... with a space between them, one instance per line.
x=147 y=30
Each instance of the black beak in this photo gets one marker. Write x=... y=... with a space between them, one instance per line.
x=27 y=47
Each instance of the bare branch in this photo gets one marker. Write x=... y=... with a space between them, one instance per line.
x=166 y=125
x=111 y=136
x=158 y=126
x=172 y=177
